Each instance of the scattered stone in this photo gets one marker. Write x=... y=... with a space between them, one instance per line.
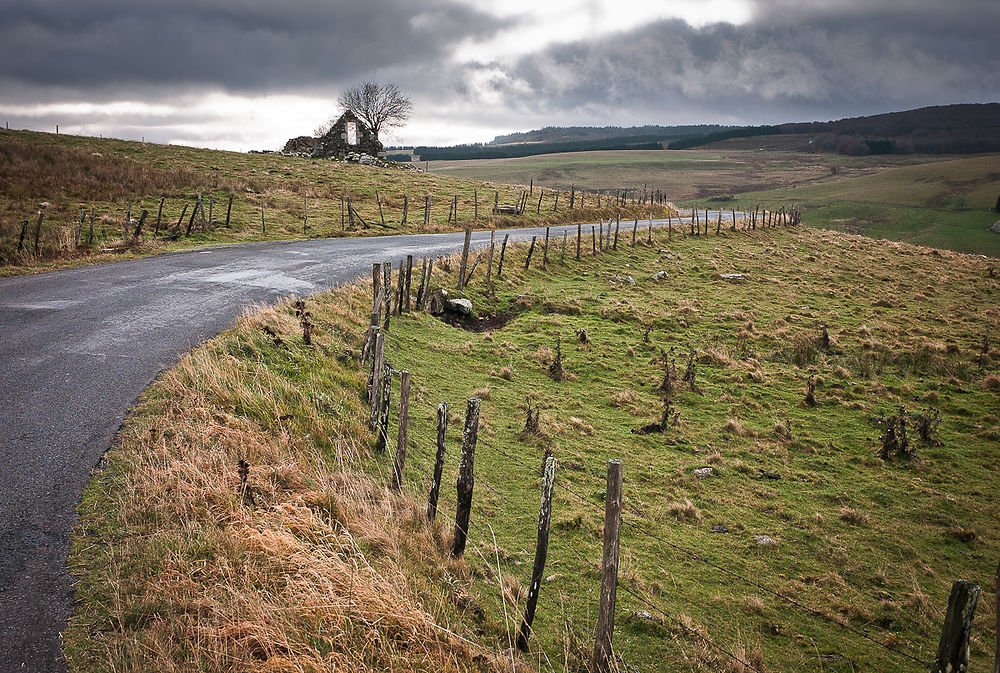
x=765 y=541
x=642 y=616
x=623 y=279
x=996 y=227
x=659 y=275
x=770 y=475
x=44 y=204
x=553 y=578
x=461 y=305
x=730 y=276
x=719 y=528
x=704 y=472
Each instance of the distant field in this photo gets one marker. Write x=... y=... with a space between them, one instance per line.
x=944 y=204
x=939 y=201
x=683 y=174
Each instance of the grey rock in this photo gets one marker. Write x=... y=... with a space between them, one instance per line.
x=765 y=541
x=704 y=472
x=996 y=227
x=642 y=616
x=732 y=276
x=461 y=305
x=719 y=528
x=660 y=275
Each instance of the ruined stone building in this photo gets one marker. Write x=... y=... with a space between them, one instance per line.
x=348 y=134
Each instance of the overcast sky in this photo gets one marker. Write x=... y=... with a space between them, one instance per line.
x=248 y=74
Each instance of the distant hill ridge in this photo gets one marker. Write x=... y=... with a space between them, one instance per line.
x=964 y=128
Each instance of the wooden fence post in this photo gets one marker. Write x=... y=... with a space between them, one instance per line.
x=406 y=208
x=600 y=228
x=503 y=249
x=562 y=255
x=578 y=236
x=409 y=277
x=617 y=226
x=635 y=228
x=387 y=293
x=90 y=233
x=400 y=285
x=466 y=477
x=138 y=226
x=79 y=228
x=496 y=201
x=24 y=230
x=530 y=250
x=159 y=215
x=572 y=196
x=381 y=215
x=538 y=210
x=427 y=212
x=442 y=429
x=404 y=413
x=545 y=251
x=489 y=259
x=382 y=439
x=953 y=650
x=555 y=204
x=465 y=258
x=593 y=240
x=375 y=396
x=541 y=550
x=602 y=662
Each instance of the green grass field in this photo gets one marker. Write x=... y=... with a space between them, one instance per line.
x=939 y=201
x=871 y=545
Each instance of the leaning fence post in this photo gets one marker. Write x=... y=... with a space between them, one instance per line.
x=545 y=251
x=24 y=230
x=382 y=439
x=531 y=249
x=386 y=293
x=38 y=232
x=404 y=413
x=953 y=650
x=409 y=278
x=503 y=249
x=465 y=258
x=541 y=550
x=602 y=662
x=442 y=428
x=489 y=259
x=466 y=477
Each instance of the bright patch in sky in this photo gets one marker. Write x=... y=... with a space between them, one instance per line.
x=540 y=24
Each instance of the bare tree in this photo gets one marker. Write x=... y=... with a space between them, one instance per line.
x=380 y=105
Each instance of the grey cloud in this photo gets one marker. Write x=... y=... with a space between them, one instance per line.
x=252 y=45
x=820 y=61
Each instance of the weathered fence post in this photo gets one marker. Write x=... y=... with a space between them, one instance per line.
x=489 y=259
x=602 y=662
x=617 y=226
x=578 y=237
x=382 y=439
x=375 y=396
x=503 y=249
x=24 y=231
x=545 y=251
x=593 y=240
x=465 y=258
x=635 y=228
x=387 y=293
x=953 y=650
x=600 y=228
x=400 y=281
x=572 y=196
x=404 y=412
x=427 y=212
x=538 y=210
x=466 y=477
x=406 y=208
x=79 y=228
x=138 y=226
x=555 y=204
x=90 y=233
x=442 y=429
x=159 y=215
x=541 y=550
x=381 y=215
x=562 y=255
x=530 y=250
x=409 y=277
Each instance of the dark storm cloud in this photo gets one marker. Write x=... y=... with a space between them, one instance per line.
x=793 y=60
x=247 y=45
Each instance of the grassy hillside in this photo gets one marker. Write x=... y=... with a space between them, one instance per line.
x=325 y=566
x=72 y=174
x=945 y=204
x=938 y=201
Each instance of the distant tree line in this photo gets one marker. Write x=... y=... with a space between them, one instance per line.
x=741 y=132
x=531 y=149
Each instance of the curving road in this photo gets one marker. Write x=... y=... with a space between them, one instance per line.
x=77 y=347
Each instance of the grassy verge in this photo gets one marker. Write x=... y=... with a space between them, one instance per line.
x=297 y=198
x=178 y=573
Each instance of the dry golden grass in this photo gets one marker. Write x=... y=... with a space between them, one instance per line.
x=302 y=568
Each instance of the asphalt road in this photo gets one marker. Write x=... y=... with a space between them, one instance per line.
x=77 y=347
